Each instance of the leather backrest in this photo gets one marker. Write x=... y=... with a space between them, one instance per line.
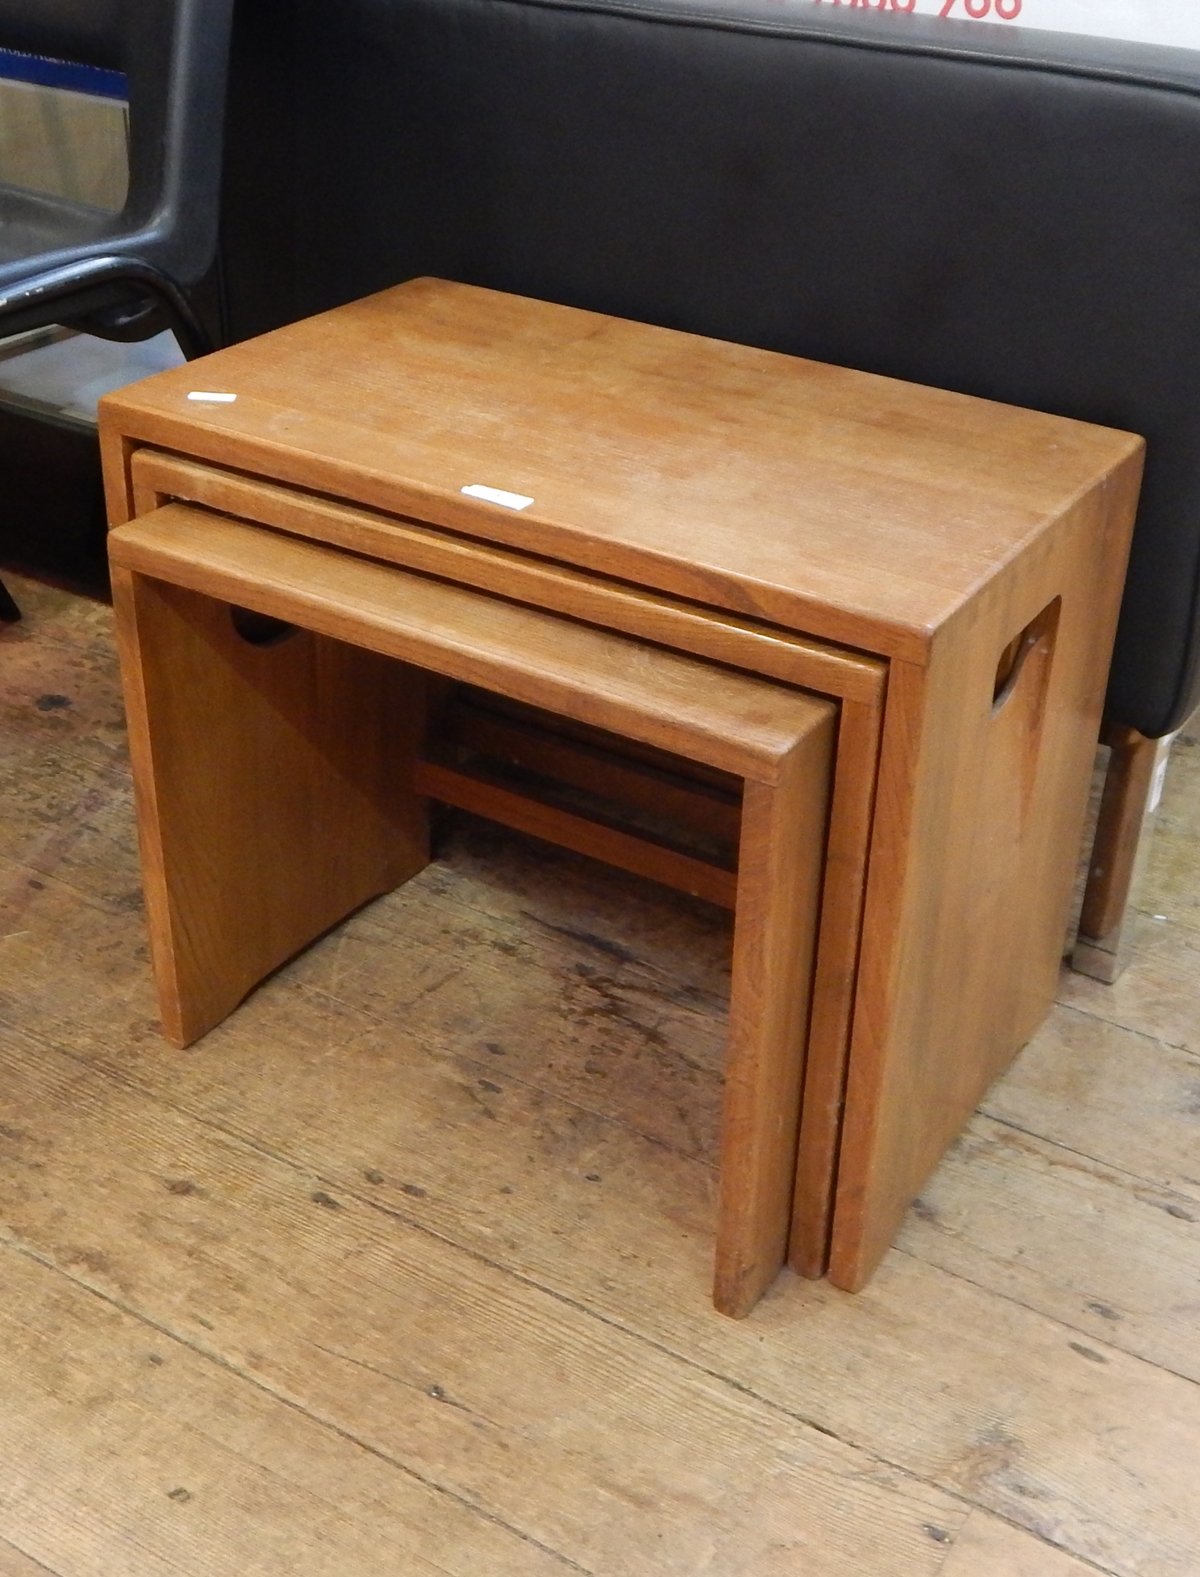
x=174 y=56
x=87 y=31
x=1011 y=215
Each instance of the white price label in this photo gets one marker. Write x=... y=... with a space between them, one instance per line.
x=497 y=495
x=1141 y=21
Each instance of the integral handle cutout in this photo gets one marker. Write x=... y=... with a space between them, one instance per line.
x=260 y=629
x=1017 y=725
x=1038 y=633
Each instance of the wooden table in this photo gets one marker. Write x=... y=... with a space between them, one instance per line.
x=944 y=571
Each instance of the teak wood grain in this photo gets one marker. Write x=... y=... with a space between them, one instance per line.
x=473 y=791
x=777 y=910
x=596 y=762
x=980 y=807
x=854 y=508
x=159 y=478
x=236 y=882
x=143 y=480
x=212 y=774
x=881 y=543
x=733 y=721
x=848 y=841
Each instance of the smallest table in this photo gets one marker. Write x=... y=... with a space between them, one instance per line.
x=847 y=636
x=278 y=788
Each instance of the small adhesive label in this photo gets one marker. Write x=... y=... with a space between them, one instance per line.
x=497 y=495
x=208 y=397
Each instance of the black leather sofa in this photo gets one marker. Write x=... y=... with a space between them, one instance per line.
x=1010 y=213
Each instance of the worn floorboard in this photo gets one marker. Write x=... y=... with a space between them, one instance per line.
x=422 y=1237
x=986 y=1547
x=15 y=1563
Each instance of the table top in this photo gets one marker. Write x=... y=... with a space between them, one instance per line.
x=846 y=505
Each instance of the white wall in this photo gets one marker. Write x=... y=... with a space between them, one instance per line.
x=1148 y=21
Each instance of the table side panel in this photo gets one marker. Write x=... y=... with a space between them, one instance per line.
x=117 y=449
x=851 y=811
x=242 y=762
x=977 y=830
x=780 y=863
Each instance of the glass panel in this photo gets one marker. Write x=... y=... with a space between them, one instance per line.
x=56 y=372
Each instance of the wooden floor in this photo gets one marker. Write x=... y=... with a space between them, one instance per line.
x=405 y=1269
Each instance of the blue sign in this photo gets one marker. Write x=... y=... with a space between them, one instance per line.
x=47 y=73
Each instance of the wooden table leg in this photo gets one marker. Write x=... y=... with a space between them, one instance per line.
x=274 y=790
x=780 y=866
x=823 y=1103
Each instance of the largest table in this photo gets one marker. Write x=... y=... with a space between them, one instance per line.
x=947 y=570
